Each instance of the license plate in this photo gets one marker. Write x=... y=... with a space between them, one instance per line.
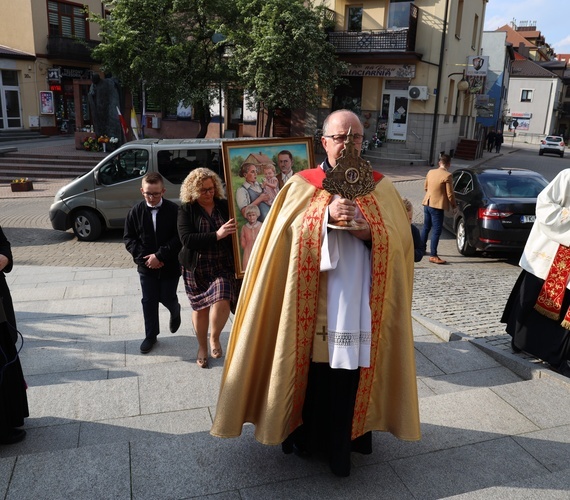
x=528 y=218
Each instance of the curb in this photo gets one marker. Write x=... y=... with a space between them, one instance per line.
x=524 y=365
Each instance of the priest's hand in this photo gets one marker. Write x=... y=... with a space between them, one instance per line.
x=362 y=234
x=342 y=209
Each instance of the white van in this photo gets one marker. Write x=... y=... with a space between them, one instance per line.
x=101 y=198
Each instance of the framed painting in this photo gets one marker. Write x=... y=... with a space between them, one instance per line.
x=255 y=171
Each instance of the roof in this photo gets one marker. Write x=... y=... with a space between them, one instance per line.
x=515 y=37
x=530 y=69
x=258 y=159
x=9 y=53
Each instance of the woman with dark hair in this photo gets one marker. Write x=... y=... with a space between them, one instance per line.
x=207 y=258
x=13 y=399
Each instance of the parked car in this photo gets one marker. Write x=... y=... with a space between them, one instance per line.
x=553 y=144
x=101 y=198
x=495 y=208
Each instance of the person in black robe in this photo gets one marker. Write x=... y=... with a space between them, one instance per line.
x=13 y=399
x=533 y=332
x=537 y=313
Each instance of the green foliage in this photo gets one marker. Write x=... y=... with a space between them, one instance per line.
x=165 y=43
x=281 y=53
x=276 y=50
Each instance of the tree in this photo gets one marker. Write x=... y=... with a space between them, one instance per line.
x=167 y=44
x=282 y=56
x=278 y=51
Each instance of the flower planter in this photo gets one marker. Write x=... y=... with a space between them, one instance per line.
x=22 y=186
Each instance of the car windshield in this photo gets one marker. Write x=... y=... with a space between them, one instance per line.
x=552 y=138
x=511 y=186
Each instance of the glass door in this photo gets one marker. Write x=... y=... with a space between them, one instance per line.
x=13 y=115
x=10 y=109
x=398 y=116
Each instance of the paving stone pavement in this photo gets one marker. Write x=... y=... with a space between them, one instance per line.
x=108 y=422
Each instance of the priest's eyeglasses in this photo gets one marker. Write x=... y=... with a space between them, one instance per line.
x=152 y=195
x=338 y=138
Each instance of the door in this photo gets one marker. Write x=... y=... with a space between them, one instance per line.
x=10 y=109
x=398 y=115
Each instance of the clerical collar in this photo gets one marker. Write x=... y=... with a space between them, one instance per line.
x=325 y=165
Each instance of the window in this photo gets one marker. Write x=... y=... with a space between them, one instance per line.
x=462 y=182
x=348 y=95
x=526 y=95
x=125 y=166
x=174 y=165
x=475 y=32
x=459 y=19
x=399 y=14
x=66 y=19
x=354 y=18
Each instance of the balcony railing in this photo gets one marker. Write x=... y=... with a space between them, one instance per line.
x=390 y=40
x=64 y=47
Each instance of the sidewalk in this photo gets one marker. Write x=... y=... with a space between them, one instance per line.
x=108 y=422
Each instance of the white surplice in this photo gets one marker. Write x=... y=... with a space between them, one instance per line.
x=349 y=324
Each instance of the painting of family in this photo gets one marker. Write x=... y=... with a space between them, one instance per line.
x=255 y=171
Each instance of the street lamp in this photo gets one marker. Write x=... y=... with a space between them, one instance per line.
x=463 y=84
x=218 y=39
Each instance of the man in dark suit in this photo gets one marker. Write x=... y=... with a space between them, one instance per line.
x=285 y=164
x=151 y=237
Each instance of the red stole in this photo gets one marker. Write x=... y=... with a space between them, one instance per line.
x=549 y=302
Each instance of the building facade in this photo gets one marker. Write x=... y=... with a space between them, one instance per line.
x=493 y=106
x=407 y=64
x=53 y=79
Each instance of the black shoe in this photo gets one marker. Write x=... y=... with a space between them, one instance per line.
x=12 y=436
x=148 y=344
x=563 y=368
x=175 y=321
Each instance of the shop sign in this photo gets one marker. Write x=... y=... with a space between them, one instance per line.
x=477 y=66
x=54 y=75
x=381 y=70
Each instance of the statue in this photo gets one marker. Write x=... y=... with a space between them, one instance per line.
x=104 y=99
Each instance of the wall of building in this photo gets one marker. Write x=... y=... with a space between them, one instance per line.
x=494 y=46
x=542 y=121
x=15 y=26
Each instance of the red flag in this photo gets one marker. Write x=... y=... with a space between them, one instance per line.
x=123 y=123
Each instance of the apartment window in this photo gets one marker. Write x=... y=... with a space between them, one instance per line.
x=475 y=32
x=459 y=19
x=354 y=18
x=526 y=95
x=399 y=14
x=66 y=19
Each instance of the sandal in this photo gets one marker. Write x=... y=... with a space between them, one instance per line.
x=202 y=362
x=217 y=353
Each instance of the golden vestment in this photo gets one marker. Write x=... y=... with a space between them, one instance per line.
x=282 y=310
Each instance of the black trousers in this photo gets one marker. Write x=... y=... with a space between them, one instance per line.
x=327 y=417
x=155 y=291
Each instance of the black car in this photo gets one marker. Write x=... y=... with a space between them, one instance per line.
x=495 y=208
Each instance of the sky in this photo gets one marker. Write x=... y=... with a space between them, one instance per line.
x=550 y=16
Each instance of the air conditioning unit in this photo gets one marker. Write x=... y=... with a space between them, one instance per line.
x=418 y=93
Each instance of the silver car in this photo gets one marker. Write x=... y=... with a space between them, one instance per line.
x=101 y=198
x=553 y=144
